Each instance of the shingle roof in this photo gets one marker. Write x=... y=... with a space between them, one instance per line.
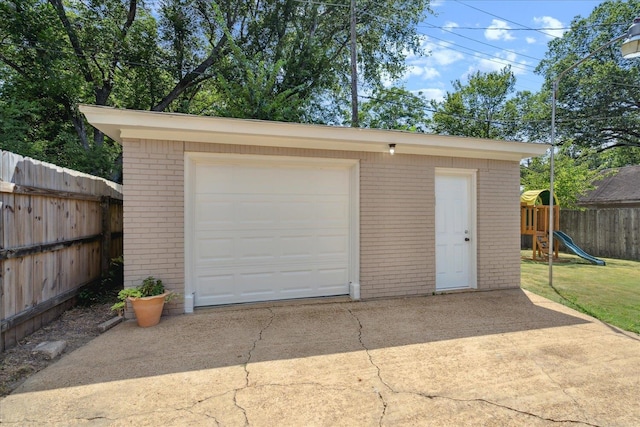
x=621 y=187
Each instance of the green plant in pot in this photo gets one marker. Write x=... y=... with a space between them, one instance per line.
x=147 y=300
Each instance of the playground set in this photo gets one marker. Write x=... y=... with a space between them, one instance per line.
x=534 y=221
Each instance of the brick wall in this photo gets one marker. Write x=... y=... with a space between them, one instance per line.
x=397 y=228
x=499 y=225
x=397 y=216
x=153 y=178
x=397 y=243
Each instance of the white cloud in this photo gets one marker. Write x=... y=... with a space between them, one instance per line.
x=555 y=26
x=386 y=80
x=530 y=40
x=430 y=73
x=497 y=63
x=446 y=56
x=438 y=54
x=498 y=30
x=426 y=73
x=437 y=94
x=450 y=25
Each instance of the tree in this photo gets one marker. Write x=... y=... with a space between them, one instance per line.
x=197 y=56
x=61 y=54
x=479 y=108
x=598 y=102
x=572 y=178
x=252 y=94
x=527 y=117
x=394 y=108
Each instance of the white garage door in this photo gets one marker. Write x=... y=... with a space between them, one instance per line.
x=268 y=229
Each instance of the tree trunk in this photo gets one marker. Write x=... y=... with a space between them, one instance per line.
x=190 y=77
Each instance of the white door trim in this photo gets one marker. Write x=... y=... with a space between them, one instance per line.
x=192 y=159
x=471 y=175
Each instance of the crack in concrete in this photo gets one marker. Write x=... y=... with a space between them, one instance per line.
x=380 y=396
x=255 y=343
x=65 y=420
x=215 y=420
x=191 y=410
x=246 y=366
x=309 y=383
x=509 y=408
x=384 y=408
x=515 y=346
x=237 y=405
x=428 y=396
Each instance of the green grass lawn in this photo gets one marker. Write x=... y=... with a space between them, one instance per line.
x=610 y=293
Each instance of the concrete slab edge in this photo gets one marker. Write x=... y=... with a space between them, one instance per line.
x=105 y=326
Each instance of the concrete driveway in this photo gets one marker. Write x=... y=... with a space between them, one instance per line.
x=490 y=358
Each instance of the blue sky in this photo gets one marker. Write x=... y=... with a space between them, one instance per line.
x=466 y=36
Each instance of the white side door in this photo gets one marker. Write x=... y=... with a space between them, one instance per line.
x=455 y=229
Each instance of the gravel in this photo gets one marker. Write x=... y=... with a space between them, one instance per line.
x=76 y=327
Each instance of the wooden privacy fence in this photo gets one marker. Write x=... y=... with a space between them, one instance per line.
x=59 y=229
x=610 y=232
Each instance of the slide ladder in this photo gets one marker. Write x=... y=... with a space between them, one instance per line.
x=568 y=242
x=543 y=245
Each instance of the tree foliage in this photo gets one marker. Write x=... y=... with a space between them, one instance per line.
x=270 y=59
x=394 y=108
x=598 y=102
x=572 y=178
x=480 y=108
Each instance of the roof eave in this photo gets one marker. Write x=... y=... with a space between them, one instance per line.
x=132 y=124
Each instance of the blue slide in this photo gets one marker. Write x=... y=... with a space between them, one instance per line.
x=568 y=242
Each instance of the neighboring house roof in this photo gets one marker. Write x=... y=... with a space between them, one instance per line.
x=131 y=124
x=617 y=187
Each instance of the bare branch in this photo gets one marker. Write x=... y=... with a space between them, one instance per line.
x=73 y=38
x=191 y=77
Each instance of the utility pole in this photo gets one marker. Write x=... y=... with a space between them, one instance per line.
x=354 y=69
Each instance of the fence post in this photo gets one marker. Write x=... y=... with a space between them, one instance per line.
x=105 y=247
x=2 y=225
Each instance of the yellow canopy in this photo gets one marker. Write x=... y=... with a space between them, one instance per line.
x=537 y=197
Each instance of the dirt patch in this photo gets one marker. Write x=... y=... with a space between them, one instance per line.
x=76 y=326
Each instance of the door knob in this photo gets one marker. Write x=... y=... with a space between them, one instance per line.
x=466 y=239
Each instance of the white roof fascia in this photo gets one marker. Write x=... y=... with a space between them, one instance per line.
x=121 y=124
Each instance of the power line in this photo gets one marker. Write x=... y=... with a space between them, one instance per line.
x=446 y=44
x=501 y=123
x=487 y=44
x=457 y=27
x=168 y=68
x=492 y=58
x=504 y=19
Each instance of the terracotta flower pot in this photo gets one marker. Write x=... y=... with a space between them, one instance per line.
x=148 y=309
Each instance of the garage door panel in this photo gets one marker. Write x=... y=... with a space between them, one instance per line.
x=256 y=213
x=296 y=248
x=215 y=287
x=294 y=282
x=256 y=283
x=334 y=211
x=214 y=214
x=268 y=249
x=215 y=250
x=226 y=211
x=332 y=246
x=212 y=180
x=297 y=212
x=264 y=232
x=260 y=284
x=332 y=277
